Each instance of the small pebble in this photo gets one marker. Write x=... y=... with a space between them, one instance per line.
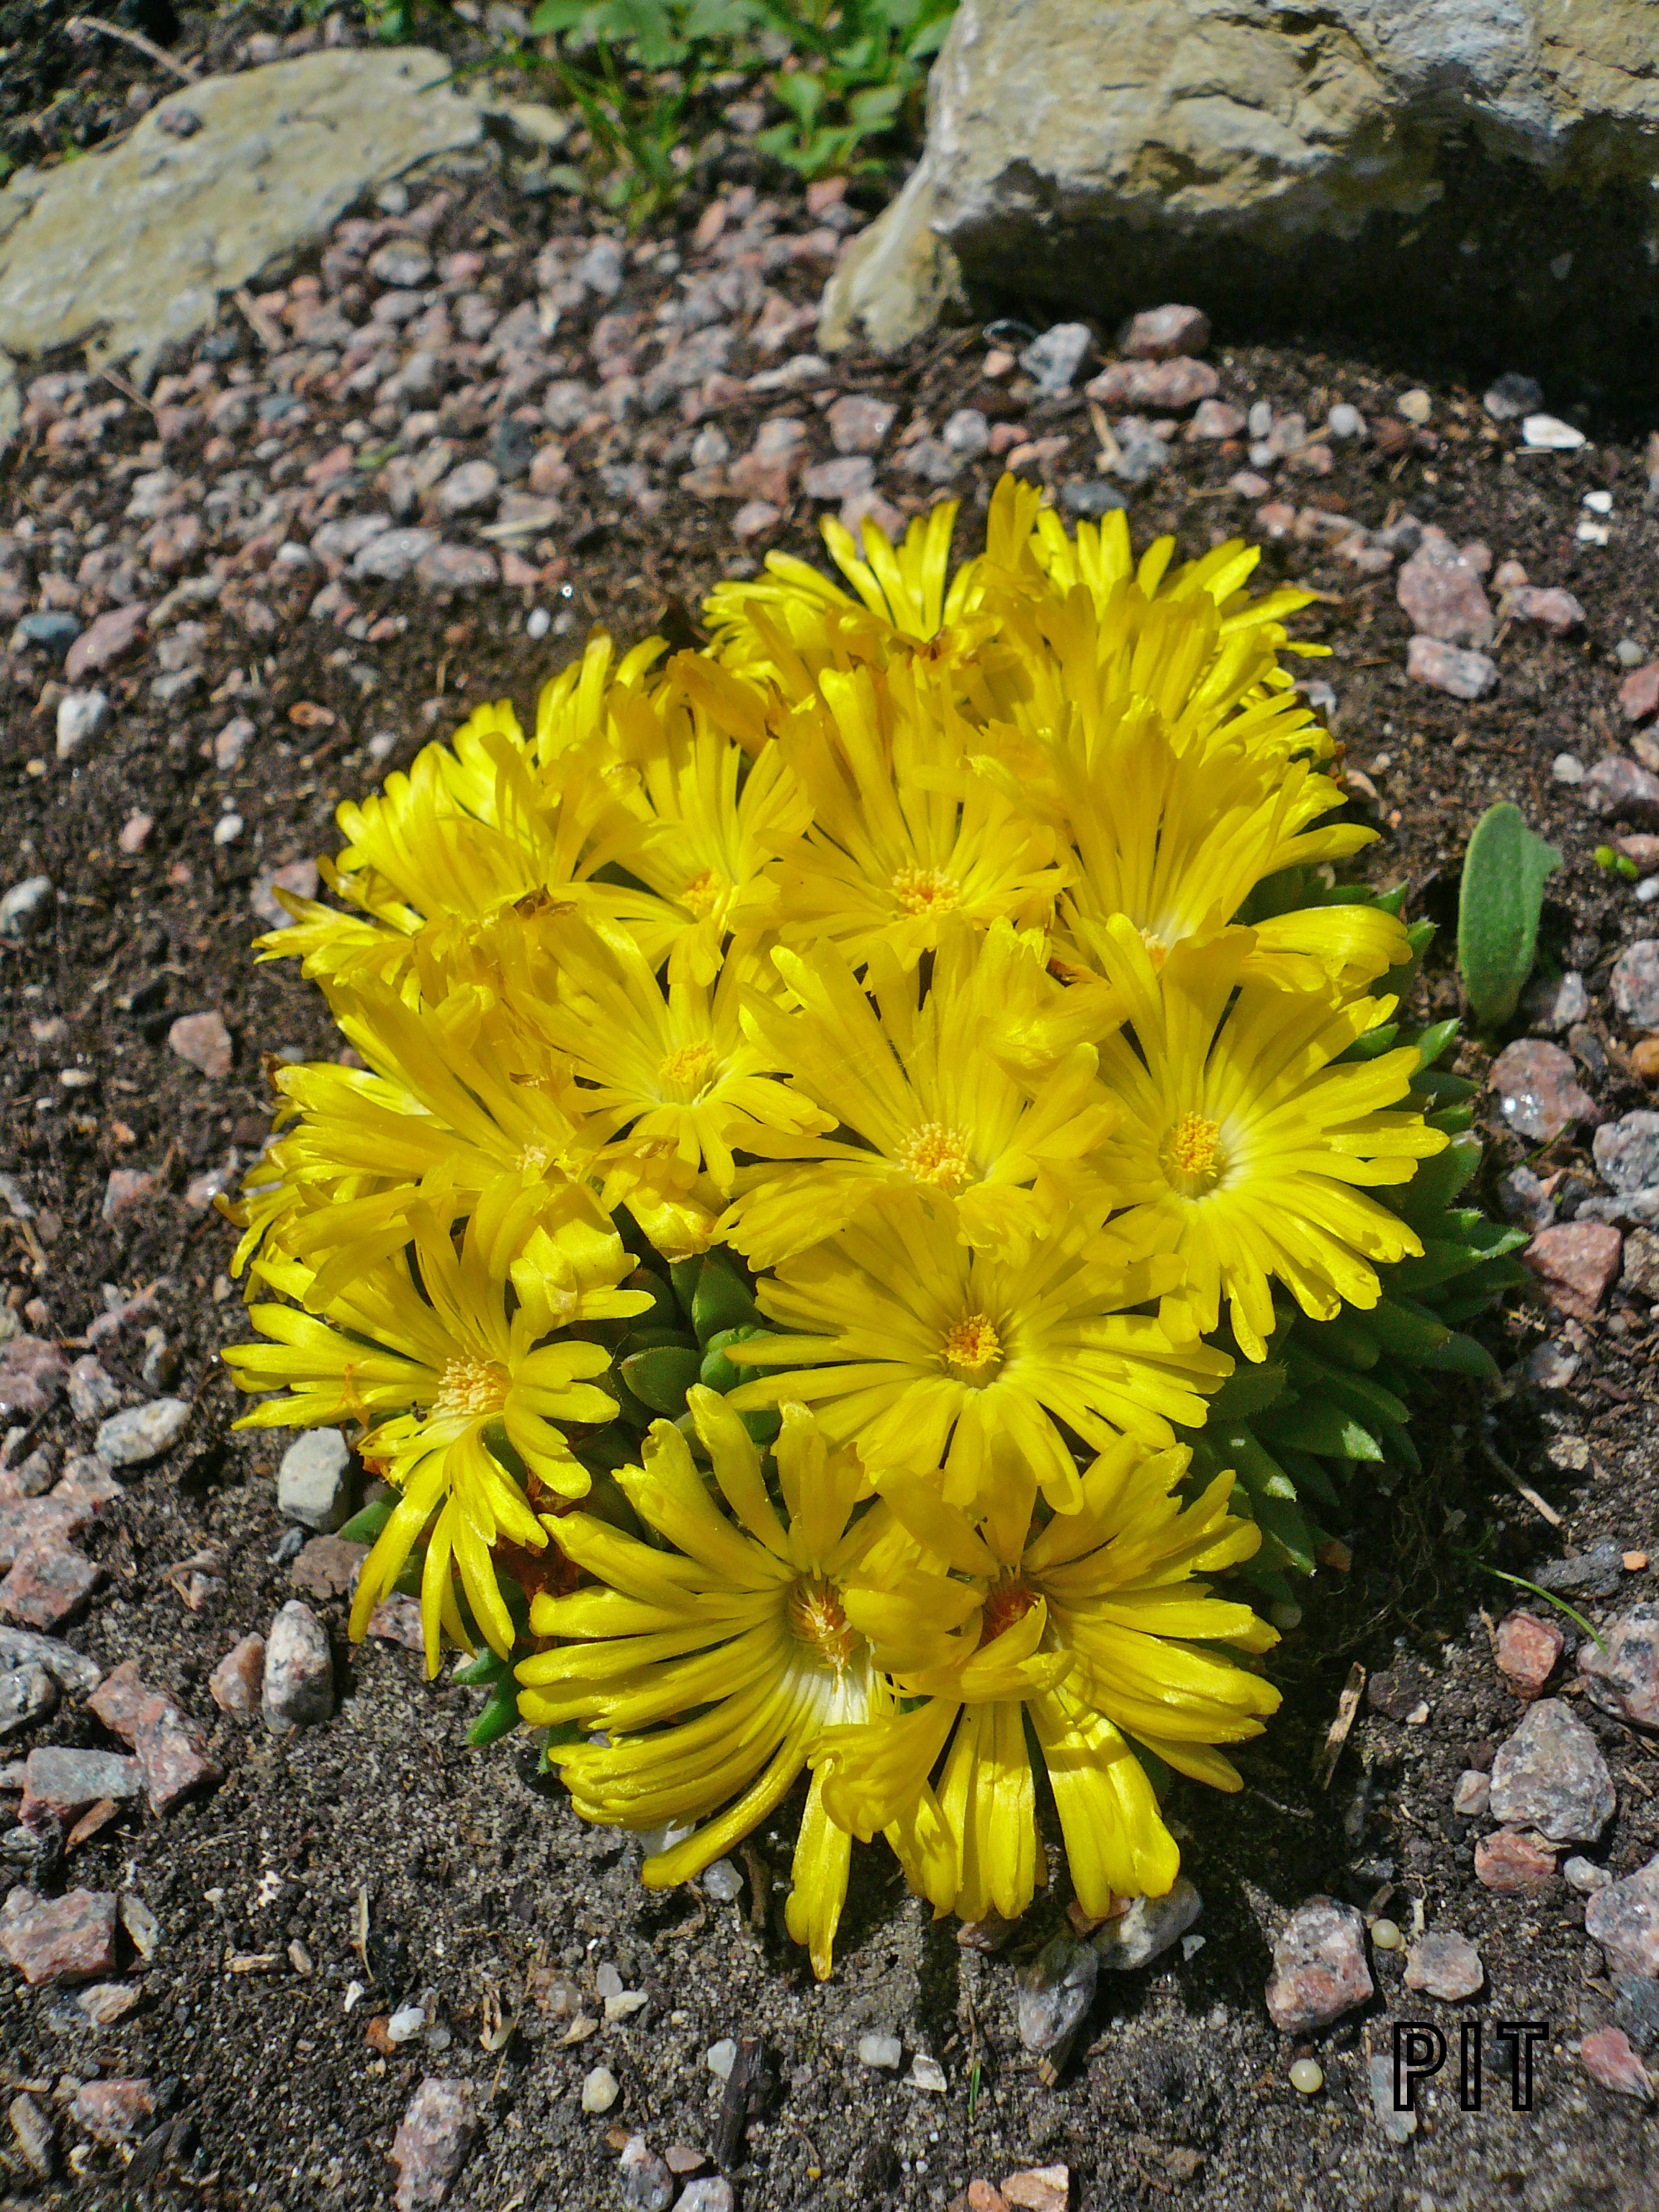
x=1319 y=1967
x=142 y=1432
x=600 y=2090
x=432 y=2141
x=1307 y=2076
x=883 y=2051
x=723 y=1882
x=1548 y=434
x=1584 y=1875
x=27 y=1696
x=1567 y=768
x=720 y=2057
x=1445 y=1966
x=298 y=1671
x=82 y=716
x=1386 y=1936
x=311 y=1483
x=538 y=623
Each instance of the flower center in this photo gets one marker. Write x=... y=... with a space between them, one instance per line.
x=475 y=1387
x=683 y=1076
x=925 y=891
x=1005 y=1604
x=973 y=1350
x=705 y=893
x=813 y=1610
x=936 y=1154
x=1192 y=1155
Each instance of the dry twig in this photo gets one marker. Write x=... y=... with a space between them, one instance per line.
x=137 y=40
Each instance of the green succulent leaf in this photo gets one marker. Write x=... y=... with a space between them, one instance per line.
x=1505 y=869
x=365 y=1526
x=499 y=1717
x=722 y=1299
x=717 y=1372
x=659 y=1378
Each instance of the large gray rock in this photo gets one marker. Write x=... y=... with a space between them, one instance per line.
x=1264 y=158
x=131 y=249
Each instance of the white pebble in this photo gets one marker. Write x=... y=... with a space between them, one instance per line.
x=600 y=2090
x=1599 y=503
x=406 y=2023
x=381 y=744
x=1647 y=890
x=720 y=2057
x=538 y=623
x=1307 y=2076
x=1567 y=768
x=1584 y=1875
x=883 y=2051
x=1548 y=434
x=1414 y=406
x=1345 y=421
x=82 y=716
x=723 y=1882
x=228 y=829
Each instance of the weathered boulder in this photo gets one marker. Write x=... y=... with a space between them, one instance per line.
x=133 y=247
x=1373 y=161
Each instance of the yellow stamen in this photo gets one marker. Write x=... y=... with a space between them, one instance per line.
x=973 y=1350
x=925 y=891
x=1157 y=951
x=816 y=1618
x=1192 y=1155
x=683 y=1076
x=705 y=894
x=1005 y=1604
x=471 y=1386
x=933 y=1154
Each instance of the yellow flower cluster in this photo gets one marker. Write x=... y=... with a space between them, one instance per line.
x=892 y=943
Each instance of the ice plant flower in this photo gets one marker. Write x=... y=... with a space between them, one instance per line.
x=1090 y=1626
x=1249 y=1138
x=463 y=1403
x=926 y=1107
x=929 y=1353
x=894 y=1042
x=671 y=1065
x=712 y=1667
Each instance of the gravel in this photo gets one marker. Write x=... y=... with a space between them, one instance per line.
x=298 y=1686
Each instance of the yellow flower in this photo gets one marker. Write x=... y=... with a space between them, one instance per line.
x=905 y=834
x=490 y=820
x=1242 y=1140
x=446 y=1360
x=457 y=1090
x=712 y=1666
x=912 y=1077
x=1090 y=1627
x=797 y=621
x=926 y=1352
x=1177 y=790
x=672 y=1068
x=711 y=818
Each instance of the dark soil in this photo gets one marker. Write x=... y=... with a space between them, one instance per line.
x=481 y=1884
